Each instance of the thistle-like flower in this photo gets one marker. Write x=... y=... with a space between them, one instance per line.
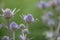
x=51 y=22
x=29 y=18
x=22 y=37
x=49 y=34
x=14 y=26
x=43 y=4
x=25 y=31
x=22 y=26
x=8 y=13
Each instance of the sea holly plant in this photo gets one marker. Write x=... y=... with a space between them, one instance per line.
x=51 y=18
x=12 y=27
x=25 y=28
x=8 y=14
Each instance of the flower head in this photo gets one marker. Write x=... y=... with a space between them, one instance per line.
x=49 y=34
x=43 y=4
x=51 y=22
x=8 y=13
x=13 y=26
x=22 y=26
x=22 y=37
x=25 y=31
x=29 y=18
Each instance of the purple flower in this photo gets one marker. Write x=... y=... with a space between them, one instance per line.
x=43 y=4
x=22 y=37
x=29 y=18
x=51 y=22
x=47 y=16
x=13 y=25
x=8 y=13
x=49 y=34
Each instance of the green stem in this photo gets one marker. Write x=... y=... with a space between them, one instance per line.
x=13 y=35
x=8 y=22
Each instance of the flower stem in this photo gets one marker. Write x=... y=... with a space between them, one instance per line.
x=8 y=22
x=13 y=35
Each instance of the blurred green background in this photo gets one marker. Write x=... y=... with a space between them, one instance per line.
x=26 y=6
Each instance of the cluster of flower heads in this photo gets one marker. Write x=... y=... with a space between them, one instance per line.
x=49 y=34
x=47 y=18
x=13 y=26
x=50 y=18
x=50 y=3
x=24 y=31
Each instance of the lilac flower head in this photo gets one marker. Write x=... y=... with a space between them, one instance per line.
x=22 y=26
x=5 y=38
x=47 y=16
x=29 y=18
x=49 y=13
x=51 y=22
x=43 y=4
x=58 y=38
x=25 y=31
x=13 y=25
x=22 y=37
x=49 y=34
x=57 y=2
x=8 y=13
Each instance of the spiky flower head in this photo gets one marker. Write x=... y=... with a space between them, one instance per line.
x=22 y=26
x=8 y=13
x=29 y=18
x=14 y=26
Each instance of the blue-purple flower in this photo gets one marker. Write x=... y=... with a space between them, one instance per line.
x=22 y=37
x=8 y=13
x=43 y=4
x=13 y=26
x=29 y=18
